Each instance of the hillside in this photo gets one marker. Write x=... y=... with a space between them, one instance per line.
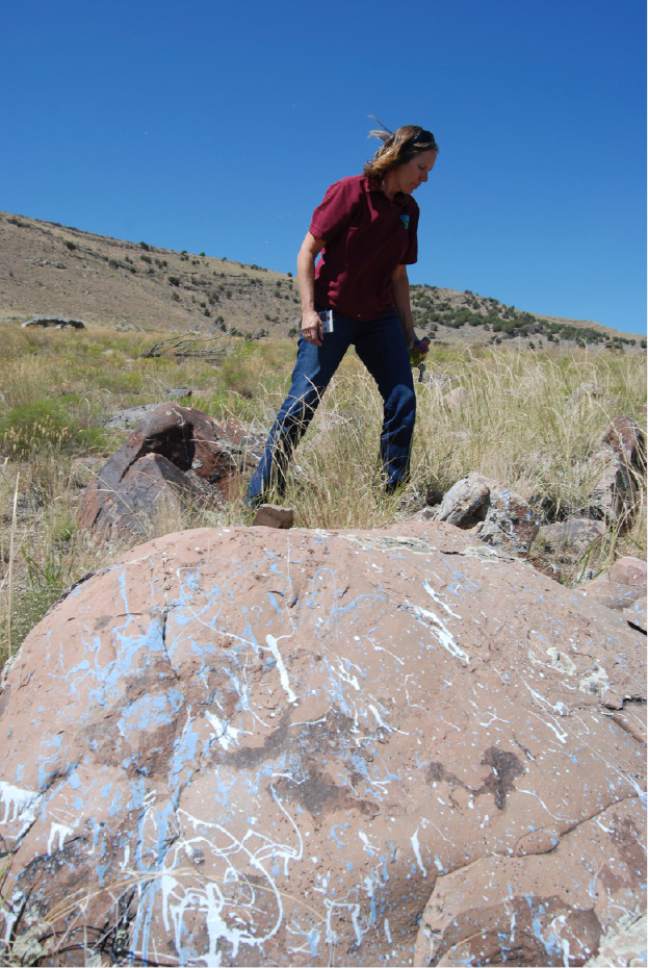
x=48 y=268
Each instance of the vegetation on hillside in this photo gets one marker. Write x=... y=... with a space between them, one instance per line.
x=520 y=421
x=434 y=309
x=138 y=286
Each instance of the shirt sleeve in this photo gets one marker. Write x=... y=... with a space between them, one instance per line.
x=336 y=209
x=411 y=255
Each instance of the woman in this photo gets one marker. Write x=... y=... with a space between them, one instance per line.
x=365 y=232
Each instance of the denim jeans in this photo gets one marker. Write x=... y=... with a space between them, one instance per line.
x=380 y=344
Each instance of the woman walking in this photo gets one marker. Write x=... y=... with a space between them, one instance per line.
x=365 y=232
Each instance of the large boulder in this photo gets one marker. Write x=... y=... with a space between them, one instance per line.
x=208 y=458
x=263 y=747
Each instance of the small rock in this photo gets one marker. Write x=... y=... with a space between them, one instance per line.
x=510 y=523
x=629 y=571
x=559 y=547
x=466 y=503
x=622 y=588
x=505 y=520
x=273 y=516
x=131 y=417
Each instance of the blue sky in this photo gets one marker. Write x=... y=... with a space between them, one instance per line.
x=217 y=127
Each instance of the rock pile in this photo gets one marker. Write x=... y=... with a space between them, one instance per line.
x=507 y=522
x=253 y=746
x=504 y=519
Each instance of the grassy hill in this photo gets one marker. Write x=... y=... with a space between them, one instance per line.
x=48 y=268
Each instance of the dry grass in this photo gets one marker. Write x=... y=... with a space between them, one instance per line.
x=516 y=416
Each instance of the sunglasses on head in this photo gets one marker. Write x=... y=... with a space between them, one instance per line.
x=423 y=137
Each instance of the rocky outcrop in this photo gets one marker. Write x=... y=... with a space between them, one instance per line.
x=56 y=322
x=252 y=746
x=502 y=518
x=198 y=457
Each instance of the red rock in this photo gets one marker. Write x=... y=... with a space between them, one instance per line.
x=629 y=571
x=616 y=495
x=627 y=439
x=622 y=588
x=253 y=746
x=216 y=453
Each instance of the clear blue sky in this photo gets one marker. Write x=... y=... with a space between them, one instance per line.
x=217 y=126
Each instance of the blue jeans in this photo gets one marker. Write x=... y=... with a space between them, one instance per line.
x=380 y=344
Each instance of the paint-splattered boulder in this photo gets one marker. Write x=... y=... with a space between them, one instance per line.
x=250 y=746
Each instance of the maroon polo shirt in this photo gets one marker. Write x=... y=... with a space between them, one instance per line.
x=367 y=236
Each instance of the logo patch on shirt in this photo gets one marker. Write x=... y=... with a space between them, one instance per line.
x=405 y=220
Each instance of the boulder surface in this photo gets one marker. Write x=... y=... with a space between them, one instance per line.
x=264 y=747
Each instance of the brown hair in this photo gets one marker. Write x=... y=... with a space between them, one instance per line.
x=398 y=148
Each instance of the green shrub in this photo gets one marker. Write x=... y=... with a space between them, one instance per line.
x=46 y=425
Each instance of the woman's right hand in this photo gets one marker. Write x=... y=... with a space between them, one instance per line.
x=311 y=327
x=418 y=351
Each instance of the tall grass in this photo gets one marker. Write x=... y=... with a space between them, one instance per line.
x=528 y=419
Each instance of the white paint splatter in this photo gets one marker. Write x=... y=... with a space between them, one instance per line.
x=11 y=912
x=416 y=847
x=18 y=805
x=58 y=831
x=283 y=674
x=368 y=846
x=226 y=734
x=379 y=720
x=433 y=595
x=443 y=634
x=595 y=681
x=532 y=793
x=346 y=676
x=558 y=707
